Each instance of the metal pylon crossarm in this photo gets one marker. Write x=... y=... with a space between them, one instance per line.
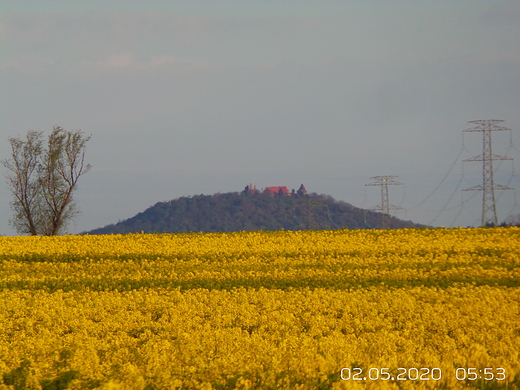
x=482 y=157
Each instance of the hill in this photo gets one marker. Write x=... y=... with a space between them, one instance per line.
x=249 y=210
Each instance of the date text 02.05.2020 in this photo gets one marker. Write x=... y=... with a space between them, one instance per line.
x=385 y=374
x=422 y=374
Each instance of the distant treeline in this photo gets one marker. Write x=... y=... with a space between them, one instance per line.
x=247 y=211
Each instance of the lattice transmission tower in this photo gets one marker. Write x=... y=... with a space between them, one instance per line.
x=384 y=182
x=488 y=187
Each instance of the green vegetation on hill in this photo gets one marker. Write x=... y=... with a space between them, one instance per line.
x=233 y=211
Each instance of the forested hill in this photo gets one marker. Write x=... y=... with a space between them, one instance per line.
x=235 y=211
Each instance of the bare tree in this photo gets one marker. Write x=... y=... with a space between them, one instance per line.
x=24 y=181
x=43 y=180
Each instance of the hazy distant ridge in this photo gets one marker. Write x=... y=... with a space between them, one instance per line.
x=233 y=211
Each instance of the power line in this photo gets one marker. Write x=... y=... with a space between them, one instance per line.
x=446 y=204
x=384 y=182
x=488 y=187
x=441 y=182
x=461 y=207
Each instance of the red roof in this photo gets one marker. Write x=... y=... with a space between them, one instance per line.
x=276 y=190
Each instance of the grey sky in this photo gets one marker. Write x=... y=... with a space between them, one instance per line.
x=189 y=97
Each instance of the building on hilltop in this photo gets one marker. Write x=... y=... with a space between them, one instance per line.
x=250 y=190
x=301 y=191
x=276 y=191
x=279 y=190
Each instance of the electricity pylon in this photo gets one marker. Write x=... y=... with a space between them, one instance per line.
x=488 y=187
x=384 y=182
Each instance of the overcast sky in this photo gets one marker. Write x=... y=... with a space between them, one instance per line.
x=193 y=97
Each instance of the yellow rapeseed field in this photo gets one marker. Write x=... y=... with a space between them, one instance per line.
x=336 y=309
